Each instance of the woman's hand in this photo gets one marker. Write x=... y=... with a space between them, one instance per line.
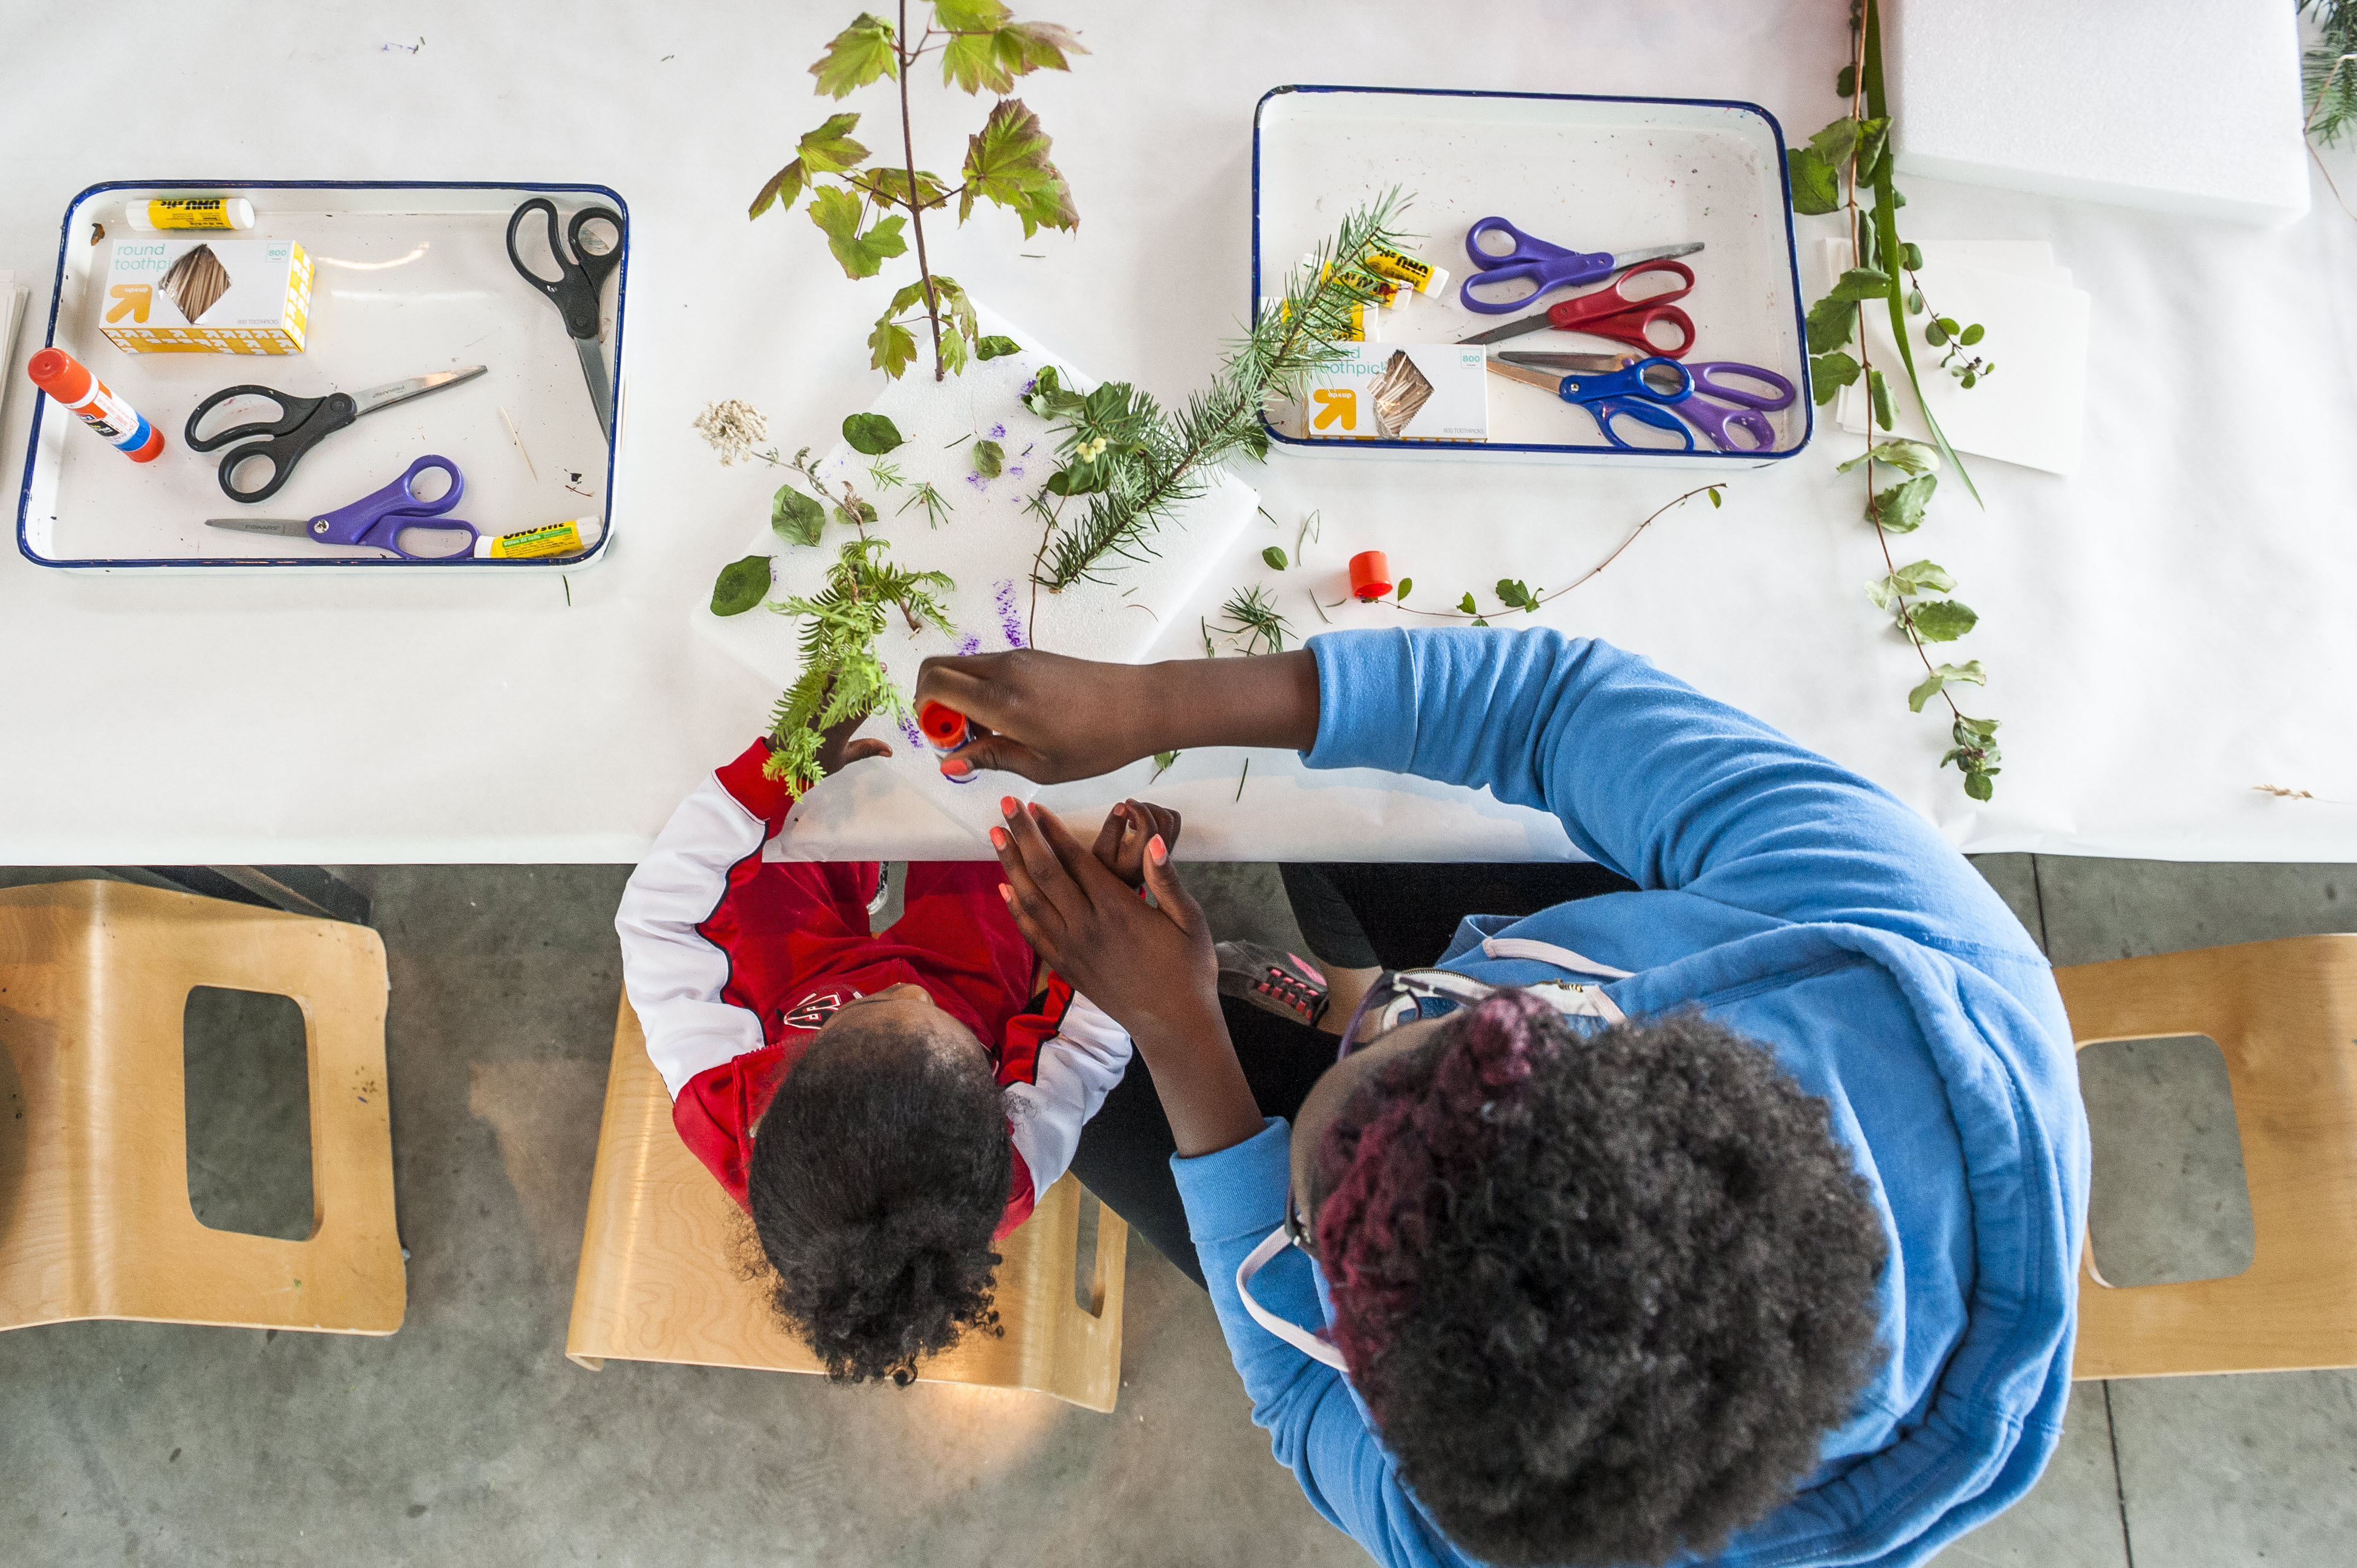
x=1149 y=966
x=1121 y=843
x=1040 y=714
x=1051 y=718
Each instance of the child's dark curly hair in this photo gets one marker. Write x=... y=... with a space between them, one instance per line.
x=878 y=1173
x=1605 y=1294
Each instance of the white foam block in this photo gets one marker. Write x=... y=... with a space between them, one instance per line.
x=986 y=544
x=2185 y=105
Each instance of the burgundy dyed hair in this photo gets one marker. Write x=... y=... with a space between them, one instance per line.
x=1603 y=1293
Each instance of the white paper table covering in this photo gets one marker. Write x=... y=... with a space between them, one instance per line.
x=2163 y=631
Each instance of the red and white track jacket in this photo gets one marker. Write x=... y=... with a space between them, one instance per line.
x=732 y=964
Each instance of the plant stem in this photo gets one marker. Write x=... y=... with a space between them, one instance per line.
x=917 y=207
x=1575 y=582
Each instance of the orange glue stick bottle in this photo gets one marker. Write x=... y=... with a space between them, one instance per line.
x=87 y=398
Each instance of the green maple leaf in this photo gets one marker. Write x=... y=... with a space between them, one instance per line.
x=1006 y=162
x=893 y=186
x=830 y=149
x=892 y=347
x=860 y=54
x=969 y=16
x=785 y=187
x=837 y=213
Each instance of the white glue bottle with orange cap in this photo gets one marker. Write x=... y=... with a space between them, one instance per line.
x=87 y=398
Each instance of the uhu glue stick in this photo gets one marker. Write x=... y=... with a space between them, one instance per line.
x=190 y=212
x=68 y=380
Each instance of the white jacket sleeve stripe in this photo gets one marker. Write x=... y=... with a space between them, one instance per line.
x=676 y=977
x=1077 y=1070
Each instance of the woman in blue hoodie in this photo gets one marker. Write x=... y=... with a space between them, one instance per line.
x=1734 y=1217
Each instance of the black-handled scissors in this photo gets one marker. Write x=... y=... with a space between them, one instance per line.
x=301 y=423
x=582 y=270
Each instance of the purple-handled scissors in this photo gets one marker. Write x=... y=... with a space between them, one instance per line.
x=380 y=518
x=1543 y=266
x=1704 y=403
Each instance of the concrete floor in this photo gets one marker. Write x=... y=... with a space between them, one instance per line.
x=468 y=1438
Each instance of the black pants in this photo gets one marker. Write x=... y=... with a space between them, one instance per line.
x=1351 y=916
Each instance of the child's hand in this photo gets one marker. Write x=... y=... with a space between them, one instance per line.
x=836 y=747
x=1121 y=843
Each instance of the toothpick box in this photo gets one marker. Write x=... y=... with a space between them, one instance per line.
x=265 y=307
x=1400 y=391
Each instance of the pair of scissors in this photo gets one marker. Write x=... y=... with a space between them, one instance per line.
x=1638 y=390
x=380 y=518
x=1543 y=266
x=1716 y=405
x=576 y=291
x=301 y=423
x=1613 y=312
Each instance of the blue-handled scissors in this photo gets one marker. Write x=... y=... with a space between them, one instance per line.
x=1716 y=406
x=380 y=518
x=1543 y=266
x=1641 y=390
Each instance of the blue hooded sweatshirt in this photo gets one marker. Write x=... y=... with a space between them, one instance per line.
x=1805 y=909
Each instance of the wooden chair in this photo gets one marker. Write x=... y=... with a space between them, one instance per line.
x=95 y=1219
x=2284 y=1015
x=659 y=1279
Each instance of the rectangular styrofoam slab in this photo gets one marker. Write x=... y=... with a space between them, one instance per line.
x=2186 y=106
x=1593 y=174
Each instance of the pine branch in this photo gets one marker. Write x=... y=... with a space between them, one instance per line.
x=1181 y=454
x=2327 y=76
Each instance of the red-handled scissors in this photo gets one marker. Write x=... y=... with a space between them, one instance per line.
x=1613 y=312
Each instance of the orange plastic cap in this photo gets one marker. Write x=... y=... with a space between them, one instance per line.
x=60 y=374
x=1371 y=574
x=944 y=726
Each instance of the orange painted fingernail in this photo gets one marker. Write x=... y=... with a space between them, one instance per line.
x=957 y=767
x=1006 y=893
x=998 y=839
x=1158 y=849
x=1006 y=805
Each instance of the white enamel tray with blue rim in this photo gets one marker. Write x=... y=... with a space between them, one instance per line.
x=1586 y=173
x=407 y=279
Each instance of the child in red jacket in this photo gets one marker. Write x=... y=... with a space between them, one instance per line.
x=886 y=1105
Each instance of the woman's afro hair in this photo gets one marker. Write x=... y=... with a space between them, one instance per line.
x=878 y=1173
x=1605 y=1294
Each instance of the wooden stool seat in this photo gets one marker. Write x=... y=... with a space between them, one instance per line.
x=2284 y=1015
x=95 y=1219
x=659 y=1279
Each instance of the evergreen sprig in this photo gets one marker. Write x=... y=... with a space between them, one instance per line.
x=841 y=676
x=1171 y=459
x=2328 y=72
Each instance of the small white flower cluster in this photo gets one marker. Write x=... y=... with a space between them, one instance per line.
x=734 y=428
